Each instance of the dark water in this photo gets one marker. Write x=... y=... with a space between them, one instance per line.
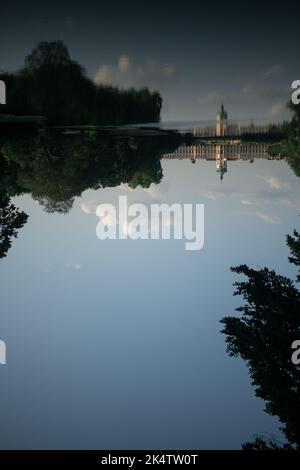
x=117 y=343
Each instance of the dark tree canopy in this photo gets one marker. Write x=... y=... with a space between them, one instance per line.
x=53 y=85
x=47 y=54
x=293 y=242
x=290 y=147
x=261 y=443
x=11 y=219
x=55 y=167
x=270 y=322
x=263 y=335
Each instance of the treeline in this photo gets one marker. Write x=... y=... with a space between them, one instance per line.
x=55 y=168
x=262 y=335
x=288 y=145
x=53 y=85
x=291 y=146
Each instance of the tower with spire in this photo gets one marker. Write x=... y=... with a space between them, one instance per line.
x=221 y=122
x=221 y=161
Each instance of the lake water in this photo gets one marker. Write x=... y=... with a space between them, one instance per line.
x=117 y=343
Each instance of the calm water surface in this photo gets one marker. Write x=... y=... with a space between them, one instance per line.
x=117 y=343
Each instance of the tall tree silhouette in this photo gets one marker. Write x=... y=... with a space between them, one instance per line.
x=293 y=242
x=263 y=335
x=290 y=147
x=11 y=220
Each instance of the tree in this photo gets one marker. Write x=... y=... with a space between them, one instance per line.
x=263 y=335
x=11 y=219
x=291 y=145
x=261 y=443
x=293 y=242
x=55 y=168
x=53 y=85
x=47 y=54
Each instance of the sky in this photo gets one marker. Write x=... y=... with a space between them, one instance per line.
x=197 y=54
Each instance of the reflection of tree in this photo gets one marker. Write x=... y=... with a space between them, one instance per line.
x=263 y=335
x=291 y=149
x=291 y=146
x=55 y=168
x=293 y=242
x=11 y=219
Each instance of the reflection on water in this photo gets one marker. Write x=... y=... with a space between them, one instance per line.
x=11 y=219
x=263 y=335
x=55 y=168
x=221 y=153
x=116 y=343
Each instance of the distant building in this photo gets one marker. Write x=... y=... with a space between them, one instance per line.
x=223 y=128
x=221 y=122
x=221 y=161
x=220 y=153
x=223 y=150
x=232 y=150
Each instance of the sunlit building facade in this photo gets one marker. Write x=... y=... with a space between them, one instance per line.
x=233 y=151
x=220 y=153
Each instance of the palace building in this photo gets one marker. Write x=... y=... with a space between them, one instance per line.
x=220 y=153
x=224 y=128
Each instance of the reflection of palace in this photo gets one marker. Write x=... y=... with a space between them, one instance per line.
x=224 y=128
x=220 y=153
x=231 y=147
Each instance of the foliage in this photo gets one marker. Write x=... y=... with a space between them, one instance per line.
x=293 y=242
x=263 y=335
x=291 y=145
x=275 y=149
x=11 y=219
x=53 y=85
x=55 y=168
x=260 y=443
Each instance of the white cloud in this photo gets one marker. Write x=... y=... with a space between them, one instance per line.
x=273 y=181
x=89 y=207
x=247 y=202
x=276 y=109
x=73 y=265
x=126 y=73
x=269 y=218
x=158 y=190
x=124 y=64
x=279 y=193
x=126 y=187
